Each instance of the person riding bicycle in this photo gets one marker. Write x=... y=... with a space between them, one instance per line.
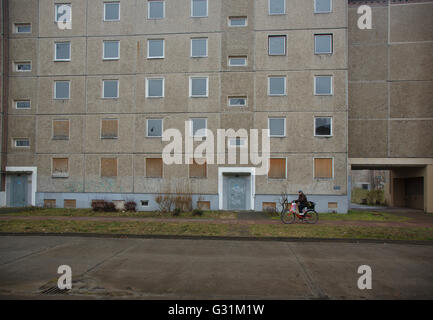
x=302 y=201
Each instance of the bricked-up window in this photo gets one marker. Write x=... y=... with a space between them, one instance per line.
x=156 y=9
x=60 y=129
x=60 y=167
x=198 y=168
x=323 y=168
x=277 y=6
x=154 y=167
x=199 y=8
x=112 y=11
x=109 y=128
x=322 y=6
x=277 y=168
x=108 y=167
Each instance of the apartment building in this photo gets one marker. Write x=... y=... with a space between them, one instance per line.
x=86 y=100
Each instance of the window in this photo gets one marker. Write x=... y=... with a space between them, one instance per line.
x=61 y=90
x=62 y=12
x=277 y=127
x=60 y=168
x=323 y=43
x=60 y=129
x=108 y=167
x=154 y=127
x=277 y=168
x=69 y=203
x=237 y=61
x=154 y=87
x=322 y=6
x=323 y=127
x=323 y=85
x=277 y=6
x=23 y=66
x=237 y=21
x=198 y=8
x=156 y=9
x=237 y=101
x=277 y=86
x=199 y=47
x=323 y=168
x=198 y=87
x=198 y=168
x=237 y=142
x=109 y=128
x=155 y=49
x=277 y=45
x=23 y=104
x=21 y=143
x=23 y=28
x=144 y=203
x=62 y=51
x=154 y=167
x=198 y=127
x=110 y=89
x=111 y=50
x=111 y=11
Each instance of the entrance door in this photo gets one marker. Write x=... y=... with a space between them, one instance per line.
x=237 y=193
x=19 y=191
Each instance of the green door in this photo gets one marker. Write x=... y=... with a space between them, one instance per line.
x=19 y=191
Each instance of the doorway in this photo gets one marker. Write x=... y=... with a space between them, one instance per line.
x=19 y=190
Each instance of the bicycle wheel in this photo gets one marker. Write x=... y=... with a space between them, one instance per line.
x=311 y=216
x=287 y=217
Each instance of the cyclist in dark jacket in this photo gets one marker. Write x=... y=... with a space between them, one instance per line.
x=302 y=201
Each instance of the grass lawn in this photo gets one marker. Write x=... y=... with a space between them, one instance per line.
x=358 y=215
x=215 y=229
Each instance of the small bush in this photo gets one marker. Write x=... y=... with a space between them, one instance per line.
x=177 y=212
x=109 y=206
x=98 y=205
x=131 y=206
x=197 y=212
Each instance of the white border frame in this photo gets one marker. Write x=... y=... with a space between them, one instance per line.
x=112 y=2
x=319 y=12
x=332 y=127
x=332 y=85
x=16 y=25
x=332 y=43
x=269 y=127
x=69 y=89
x=229 y=19
x=163 y=49
x=55 y=51
x=103 y=88
x=276 y=14
x=14 y=143
x=237 y=65
x=34 y=173
x=237 y=105
x=16 y=63
x=279 y=94
x=222 y=170
x=147 y=128
x=207 y=47
x=269 y=44
x=22 y=100
x=207 y=10
x=207 y=86
x=148 y=9
x=314 y=169
x=103 y=50
x=163 y=87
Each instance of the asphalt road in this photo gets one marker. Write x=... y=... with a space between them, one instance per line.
x=212 y=269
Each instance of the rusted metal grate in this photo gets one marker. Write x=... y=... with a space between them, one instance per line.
x=55 y=290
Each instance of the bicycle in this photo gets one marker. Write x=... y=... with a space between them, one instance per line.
x=289 y=212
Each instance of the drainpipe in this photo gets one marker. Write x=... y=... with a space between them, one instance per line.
x=5 y=93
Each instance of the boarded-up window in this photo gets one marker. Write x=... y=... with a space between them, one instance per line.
x=109 y=128
x=60 y=129
x=269 y=206
x=108 y=167
x=332 y=205
x=203 y=205
x=322 y=168
x=60 y=167
x=69 y=204
x=198 y=168
x=49 y=203
x=154 y=167
x=277 y=168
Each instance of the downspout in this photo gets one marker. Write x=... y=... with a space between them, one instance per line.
x=5 y=93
